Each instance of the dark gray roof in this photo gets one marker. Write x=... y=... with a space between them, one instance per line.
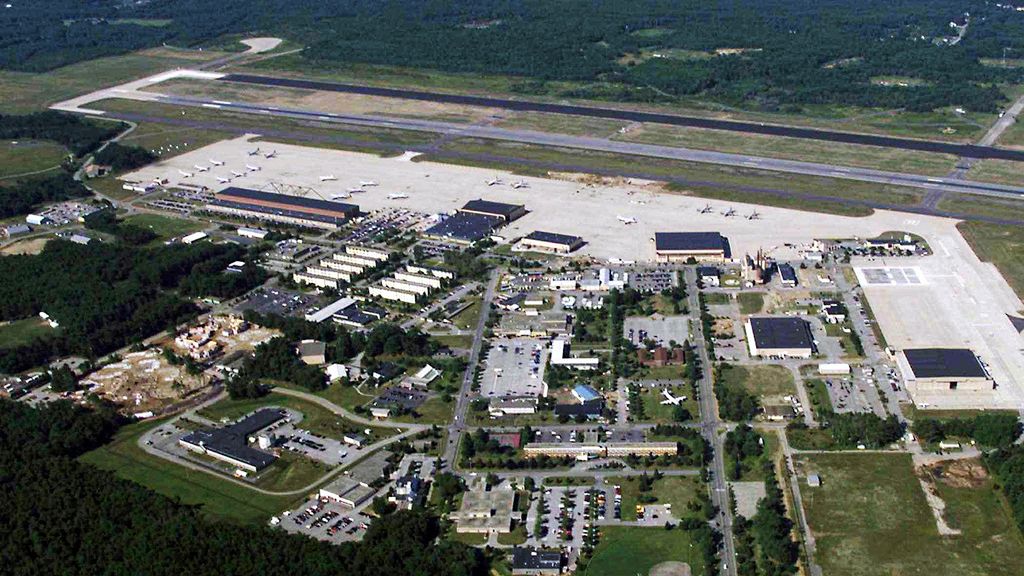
x=944 y=363
x=465 y=226
x=300 y=204
x=781 y=333
x=704 y=271
x=354 y=315
x=232 y=440
x=589 y=408
x=491 y=207
x=527 y=558
x=787 y=272
x=554 y=238
x=688 y=241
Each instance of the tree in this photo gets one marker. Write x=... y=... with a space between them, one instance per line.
x=63 y=379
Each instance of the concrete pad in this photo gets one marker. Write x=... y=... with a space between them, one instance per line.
x=747 y=496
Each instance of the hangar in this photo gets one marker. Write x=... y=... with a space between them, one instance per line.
x=779 y=336
x=681 y=246
x=283 y=208
x=933 y=369
x=551 y=242
x=505 y=212
x=231 y=443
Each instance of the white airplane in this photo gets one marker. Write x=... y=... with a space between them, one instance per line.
x=223 y=180
x=367 y=183
x=254 y=152
x=272 y=154
x=326 y=178
x=627 y=220
x=355 y=190
x=253 y=168
x=216 y=162
x=707 y=208
x=397 y=196
x=493 y=182
x=201 y=168
x=520 y=184
x=729 y=212
x=670 y=399
x=185 y=174
x=341 y=196
x=755 y=215
x=237 y=174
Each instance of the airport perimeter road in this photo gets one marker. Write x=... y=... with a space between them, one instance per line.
x=965 y=150
x=458 y=424
x=611 y=146
x=710 y=428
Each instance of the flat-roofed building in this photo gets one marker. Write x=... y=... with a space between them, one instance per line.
x=367 y=252
x=231 y=443
x=435 y=272
x=254 y=233
x=599 y=450
x=527 y=561
x=348 y=267
x=551 y=242
x=326 y=272
x=414 y=278
x=393 y=294
x=681 y=246
x=787 y=275
x=484 y=511
x=361 y=261
x=935 y=369
x=315 y=280
x=779 y=336
x=505 y=212
x=296 y=210
x=407 y=286
x=560 y=357
x=619 y=449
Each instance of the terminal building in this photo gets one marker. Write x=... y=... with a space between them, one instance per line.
x=786 y=337
x=936 y=369
x=231 y=443
x=273 y=207
x=681 y=246
x=550 y=242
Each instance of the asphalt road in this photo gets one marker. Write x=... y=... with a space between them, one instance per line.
x=955 y=185
x=965 y=150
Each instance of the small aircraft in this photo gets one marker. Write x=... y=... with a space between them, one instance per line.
x=520 y=184
x=355 y=190
x=253 y=168
x=755 y=215
x=397 y=196
x=237 y=174
x=729 y=212
x=627 y=220
x=341 y=196
x=327 y=178
x=706 y=209
x=493 y=182
x=671 y=400
x=201 y=168
x=254 y=152
x=223 y=180
x=216 y=162
x=367 y=183
x=271 y=154
x=185 y=174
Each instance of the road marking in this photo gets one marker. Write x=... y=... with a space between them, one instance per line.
x=222 y=102
x=210 y=106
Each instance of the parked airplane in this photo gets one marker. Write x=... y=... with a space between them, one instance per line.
x=253 y=168
x=185 y=174
x=367 y=183
x=216 y=162
x=201 y=168
x=707 y=208
x=341 y=196
x=355 y=190
x=520 y=184
x=755 y=215
x=237 y=174
x=223 y=180
x=272 y=154
x=627 y=220
x=670 y=399
x=254 y=152
x=326 y=178
x=493 y=182
x=729 y=212
x=397 y=196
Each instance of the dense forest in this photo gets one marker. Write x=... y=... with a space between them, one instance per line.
x=79 y=135
x=58 y=516
x=20 y=198
x=121 y=158
x=769 y=54
x=106 y=296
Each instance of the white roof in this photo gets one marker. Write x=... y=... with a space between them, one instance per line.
x=329 y=310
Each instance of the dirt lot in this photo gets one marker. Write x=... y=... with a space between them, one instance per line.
x=144 y=381
x=957 y=473
x=32 y=246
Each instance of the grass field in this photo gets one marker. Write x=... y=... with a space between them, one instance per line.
x=434 y=411
x=821 y=403
x=468 y=318
x=1000 y=245
x=762 y=381
x=154 y=136
x=870 y=518
x=657 y=412
x=750 y=302
x=165 y=227
x=675 y=490
x=215 y=496
x=999 y=171
x=793 y=149
x=29 y=156
x=290 y=472
x=980 y=206
x=455 y=340
x=18 y=332
x=625 y=551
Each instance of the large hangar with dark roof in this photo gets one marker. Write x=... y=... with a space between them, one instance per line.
x=294 y=210
x=681 y=246
x=934 y=369
x=787 y=337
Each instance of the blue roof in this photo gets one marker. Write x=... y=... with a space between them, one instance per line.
x=586 y=393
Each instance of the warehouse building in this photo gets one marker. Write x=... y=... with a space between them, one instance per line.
x=463 y=227
x=294 y=210
x=231 y=443
x=550 y=242
x=779 y=336
x=504 y=212
x=935 y=369
x=254 y=233
x=681 y=246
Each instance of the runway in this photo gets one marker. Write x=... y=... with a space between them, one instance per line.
x=935 y=184
x=963 y=150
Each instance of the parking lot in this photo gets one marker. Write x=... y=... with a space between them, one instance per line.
x=515 y=367
x=324 y=519
x=653 y=280
x=591 y=435
x=661 y=329
x=278 y=301
x=380 y=223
